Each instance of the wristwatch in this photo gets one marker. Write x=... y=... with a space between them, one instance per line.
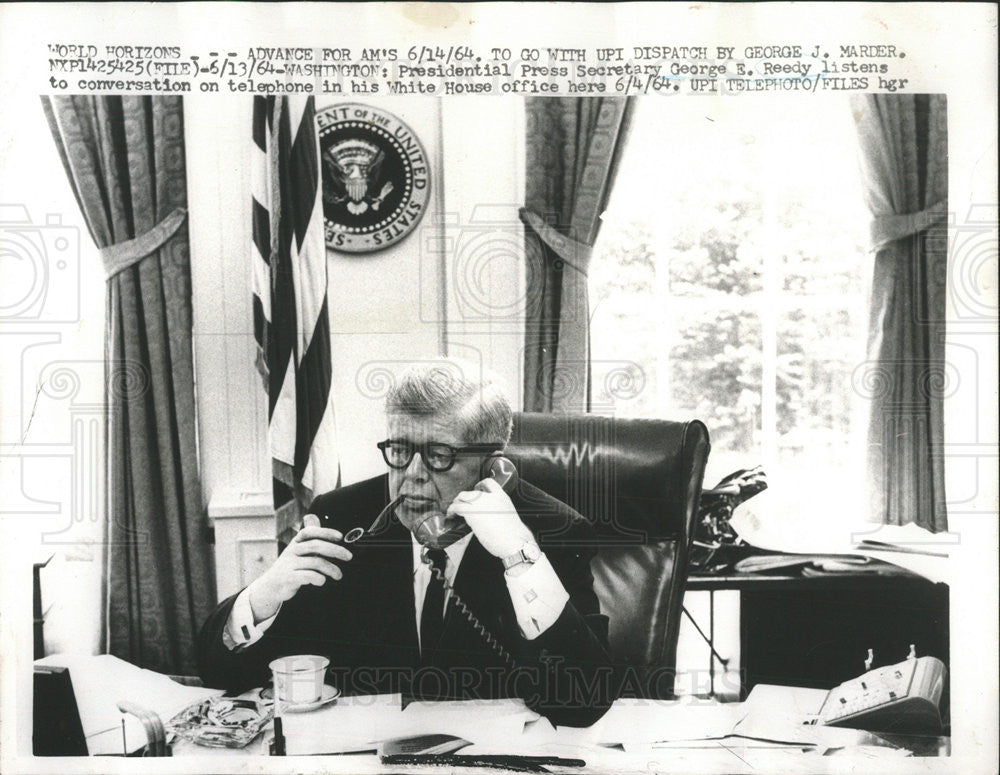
x=528 y=553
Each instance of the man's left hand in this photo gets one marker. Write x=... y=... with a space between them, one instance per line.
x=492 y=517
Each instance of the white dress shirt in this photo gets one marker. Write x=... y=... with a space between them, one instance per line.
x=536 y=593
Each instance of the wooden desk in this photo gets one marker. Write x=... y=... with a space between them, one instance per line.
x=816 y=631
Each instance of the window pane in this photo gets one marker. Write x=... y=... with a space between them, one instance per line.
x=715 y=375
x=626 y=313
x=817 y=351
x=715 y=247
x=821 y=247
x=818 y=417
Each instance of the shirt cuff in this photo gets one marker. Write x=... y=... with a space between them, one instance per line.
x=538 y=597
x=240 y=631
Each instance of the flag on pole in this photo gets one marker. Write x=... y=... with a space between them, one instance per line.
x=291 y=322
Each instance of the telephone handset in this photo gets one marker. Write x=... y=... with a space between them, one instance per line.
x=438 y=530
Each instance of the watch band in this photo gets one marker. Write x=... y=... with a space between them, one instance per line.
x=528 y=553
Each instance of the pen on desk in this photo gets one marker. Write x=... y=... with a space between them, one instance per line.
x=498 y=761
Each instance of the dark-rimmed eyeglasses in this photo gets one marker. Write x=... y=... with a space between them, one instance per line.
x=436 y=455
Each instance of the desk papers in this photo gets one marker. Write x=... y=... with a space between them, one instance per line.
x=654 y=721
x=908 y=546
x=771 y=717
x=360 y=723
x=816 y=564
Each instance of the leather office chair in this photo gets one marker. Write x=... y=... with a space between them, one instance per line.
x=638 y=482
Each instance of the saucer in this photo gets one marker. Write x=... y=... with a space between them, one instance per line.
x=330 y=693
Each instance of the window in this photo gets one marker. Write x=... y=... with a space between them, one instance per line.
x=727 y=285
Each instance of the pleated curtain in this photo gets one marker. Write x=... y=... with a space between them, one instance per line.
x=904 y=161
x=125 y=160
x=572 y=153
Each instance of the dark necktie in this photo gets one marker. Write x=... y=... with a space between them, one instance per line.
x=432 y=615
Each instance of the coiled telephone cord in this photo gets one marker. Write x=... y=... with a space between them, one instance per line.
x=481 y=628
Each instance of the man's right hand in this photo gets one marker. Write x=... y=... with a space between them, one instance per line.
x=308 y=559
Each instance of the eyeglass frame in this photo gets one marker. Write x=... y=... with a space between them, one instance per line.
x=422 y=449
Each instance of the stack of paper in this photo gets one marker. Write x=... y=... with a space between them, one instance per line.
x=908 y=546
x=816 y=564
x=845 y=564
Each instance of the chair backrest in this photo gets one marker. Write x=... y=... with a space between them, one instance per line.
x=638 y=482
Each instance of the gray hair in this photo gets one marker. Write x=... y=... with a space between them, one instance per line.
x=455 y=386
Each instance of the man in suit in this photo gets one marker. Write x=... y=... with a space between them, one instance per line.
x=515 y=614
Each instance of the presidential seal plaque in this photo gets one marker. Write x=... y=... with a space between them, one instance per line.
x=376 y=179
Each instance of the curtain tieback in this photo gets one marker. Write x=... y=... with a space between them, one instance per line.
x=573 y=254
x=122 y=255
x=888 y=228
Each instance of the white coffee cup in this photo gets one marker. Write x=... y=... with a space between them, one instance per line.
x=298 y=680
